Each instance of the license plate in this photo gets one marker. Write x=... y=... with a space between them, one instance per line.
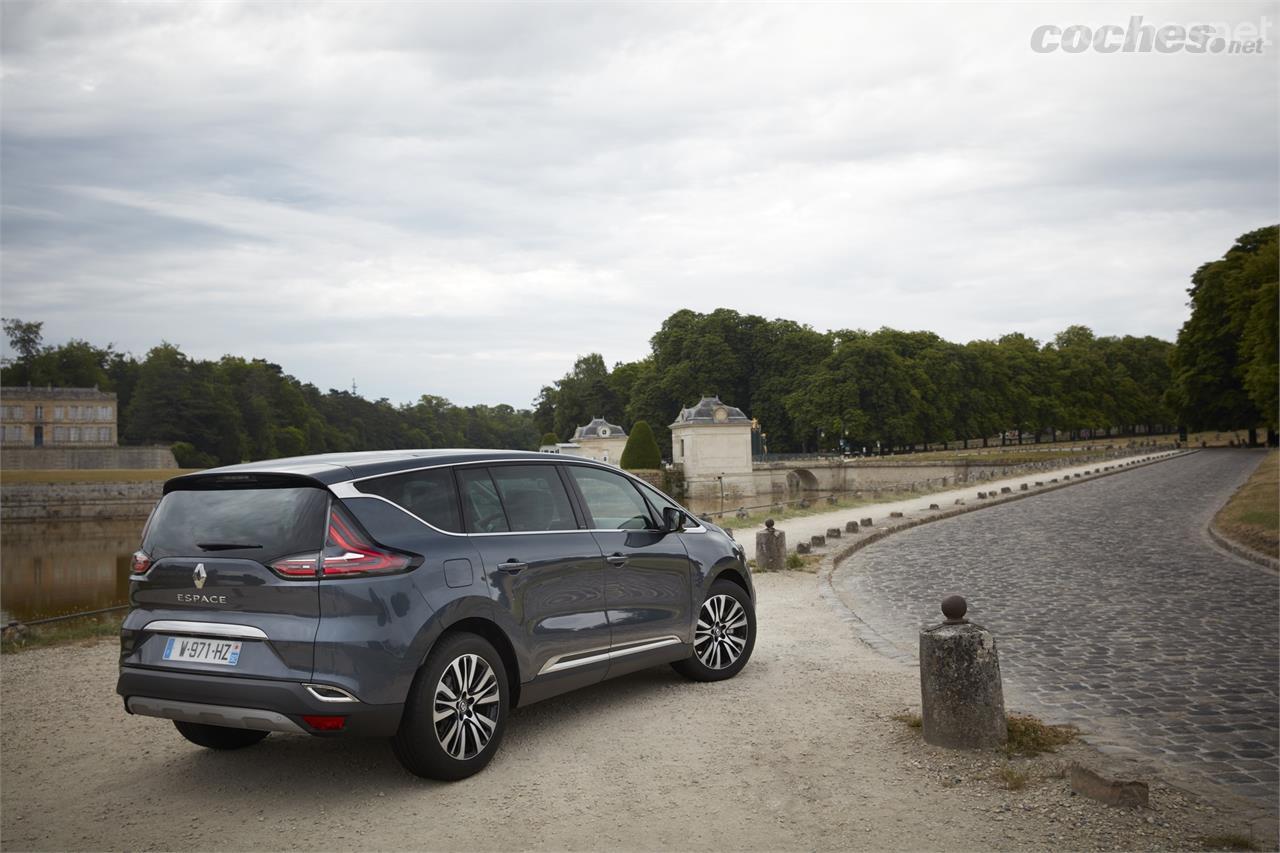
x=221 y=652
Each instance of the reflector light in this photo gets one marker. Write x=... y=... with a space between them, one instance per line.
x=324 y=723
x=139 y=562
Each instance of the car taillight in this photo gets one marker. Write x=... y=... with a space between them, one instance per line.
x=140 y=562
x=298 y=566
x=347 y=553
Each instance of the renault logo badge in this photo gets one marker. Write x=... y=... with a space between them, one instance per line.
x=199 y=575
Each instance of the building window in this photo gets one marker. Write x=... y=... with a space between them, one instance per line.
x=13 y=413
x=75 y=434
x=57 y=413
x=104 y=434
x=39 y=413
x=59 y=434
x=13 y=433
x=104 y=413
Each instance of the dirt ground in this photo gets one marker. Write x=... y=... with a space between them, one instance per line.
x=800 y=751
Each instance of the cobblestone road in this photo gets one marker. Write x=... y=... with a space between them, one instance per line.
x=1112 y=610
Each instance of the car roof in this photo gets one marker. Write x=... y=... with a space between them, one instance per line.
x=329 y=468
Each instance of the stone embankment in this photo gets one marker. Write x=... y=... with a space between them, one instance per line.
x=78 y=501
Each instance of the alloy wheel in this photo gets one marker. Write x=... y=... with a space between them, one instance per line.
x=466 y=707
x=721 y=635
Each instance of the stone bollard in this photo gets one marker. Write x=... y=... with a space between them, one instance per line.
x=817 y=541
x=851 y=527
x=833 y=532
x=962 y=701
x=804 y=503
x=1039 y=482
x=895 y=514
x=802 y=548
x=741 y=513
x=1023 y=487
x=982 y=496
x=771 y=548
x=934 y=506
x=1005 y=490
x=866 y=522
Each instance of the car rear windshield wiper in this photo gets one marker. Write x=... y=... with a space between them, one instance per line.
x=224 y=546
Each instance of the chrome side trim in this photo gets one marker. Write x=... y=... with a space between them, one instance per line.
x=213 y=715
x=571 y=660
x=206 y=629
x=343 y=696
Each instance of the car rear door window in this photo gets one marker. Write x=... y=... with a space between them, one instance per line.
x=480 y=502
x=258 y=524
x=428 y=494
x=534 y=497
x=611 y=499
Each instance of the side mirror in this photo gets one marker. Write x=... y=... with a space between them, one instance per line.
x=672 y=520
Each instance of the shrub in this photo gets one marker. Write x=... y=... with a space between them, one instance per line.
x=549 y=438
x=188 y=457
x=642 y=450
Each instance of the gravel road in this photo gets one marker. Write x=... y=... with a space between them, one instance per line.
x=797 y=752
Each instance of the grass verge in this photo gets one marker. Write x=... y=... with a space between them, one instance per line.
x=1252 y=516
x=61 y=633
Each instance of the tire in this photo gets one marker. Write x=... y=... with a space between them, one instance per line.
x=471 y=720
x=218 y=737
x=724 y=636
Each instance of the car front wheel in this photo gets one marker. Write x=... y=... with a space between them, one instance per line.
x=724 y=637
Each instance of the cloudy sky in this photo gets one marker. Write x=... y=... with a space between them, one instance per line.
x=460 y=199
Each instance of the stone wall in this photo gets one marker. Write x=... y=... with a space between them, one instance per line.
x=78 y=501
x=63 y=458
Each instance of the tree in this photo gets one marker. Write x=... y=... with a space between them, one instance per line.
x=549 y=438
x=641 y=451
x=1222 y=346
x=25 y=338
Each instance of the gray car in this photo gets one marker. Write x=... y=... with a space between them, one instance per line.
x=417 y=595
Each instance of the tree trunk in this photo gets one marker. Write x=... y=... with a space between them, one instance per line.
x=1253 y=436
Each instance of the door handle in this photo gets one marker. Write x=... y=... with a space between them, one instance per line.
x=512 y=567
x=618 y=560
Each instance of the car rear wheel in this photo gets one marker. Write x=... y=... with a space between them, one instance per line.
x=457 y=710
x=724 y=636
x=218 y=737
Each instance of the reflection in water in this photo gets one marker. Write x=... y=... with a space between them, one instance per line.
x=52 y=568
x=755 y=503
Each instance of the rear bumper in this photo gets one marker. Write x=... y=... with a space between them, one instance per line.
x=251 y=703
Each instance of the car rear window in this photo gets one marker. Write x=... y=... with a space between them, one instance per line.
x=257 y=524
x=427 y=494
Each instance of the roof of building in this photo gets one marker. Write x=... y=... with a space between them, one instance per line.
x=710 y=410
x=51 y=393
x=599 y=428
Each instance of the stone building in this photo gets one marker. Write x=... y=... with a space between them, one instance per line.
x=57 y=417
x=712 y=443
x=601 y=441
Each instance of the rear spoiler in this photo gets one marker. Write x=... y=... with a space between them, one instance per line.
x=211 y=480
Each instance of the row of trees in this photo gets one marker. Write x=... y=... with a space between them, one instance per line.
x=810 y=390
x=234 y=409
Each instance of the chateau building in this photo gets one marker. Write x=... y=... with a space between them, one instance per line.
x=601 y=441
x=57 y=417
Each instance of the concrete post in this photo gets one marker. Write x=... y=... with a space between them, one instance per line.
x=771 y=548
x=962 y=700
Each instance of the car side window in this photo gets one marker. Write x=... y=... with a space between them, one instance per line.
x=658 y=499
x=534 y=497
x=480 y=502
x=611 y=499
x=427 y=494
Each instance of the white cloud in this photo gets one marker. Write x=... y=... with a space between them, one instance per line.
x=458 y=199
